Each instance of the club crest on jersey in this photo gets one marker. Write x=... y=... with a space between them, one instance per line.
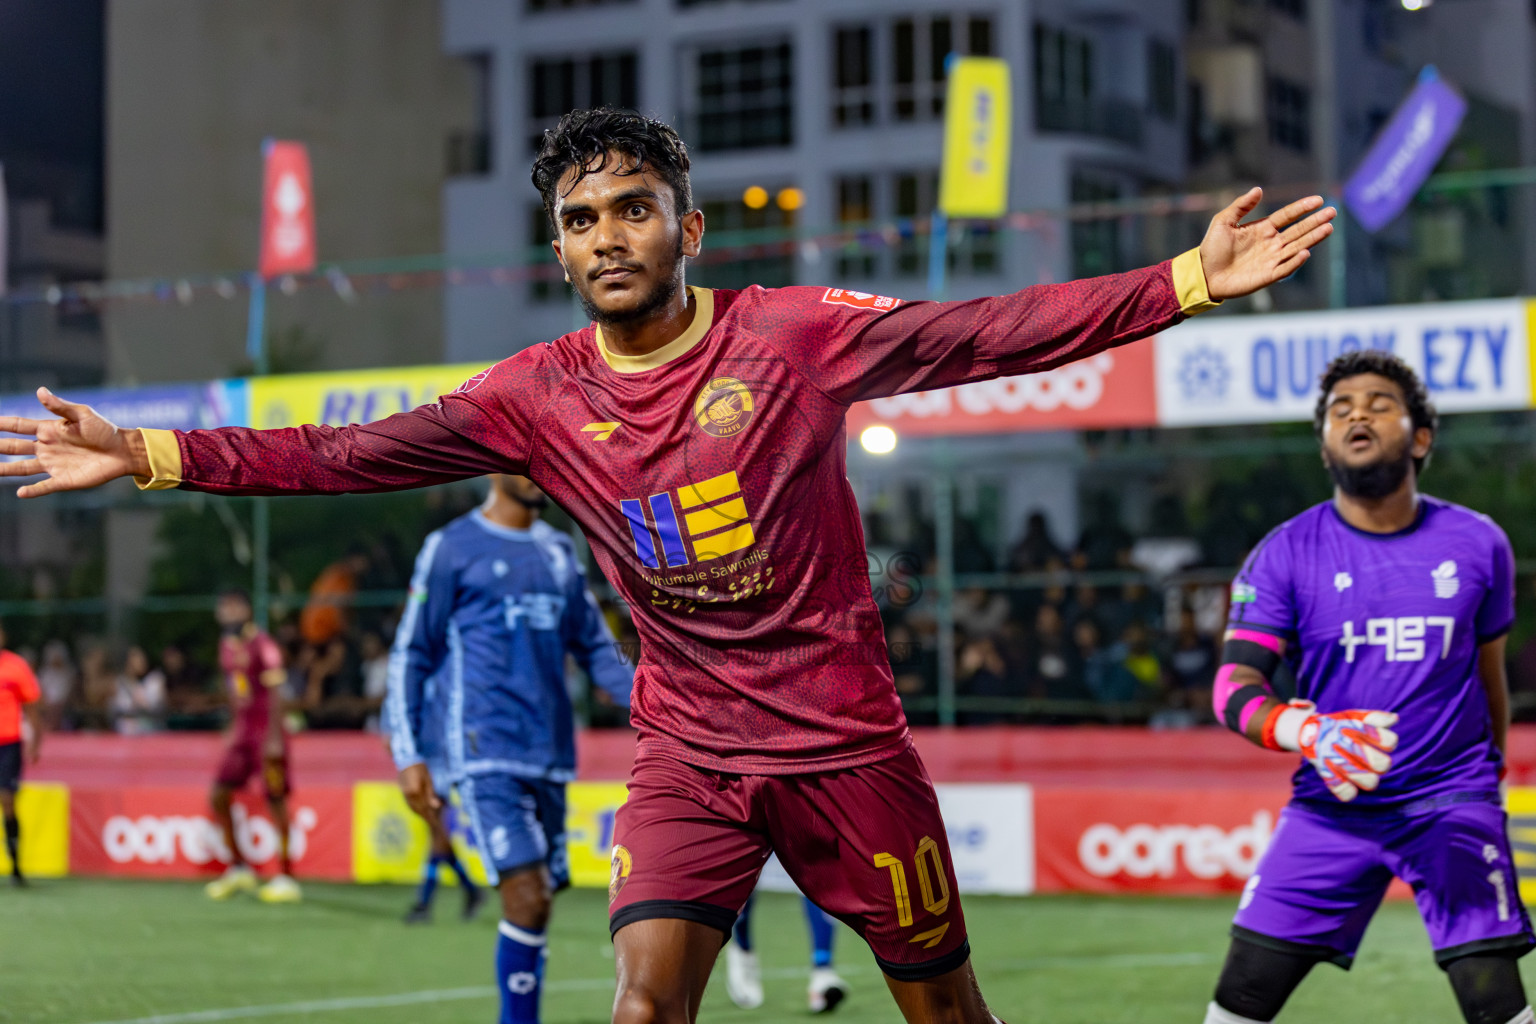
x=859 y=300
x=710 y=516
x=724 y=407
x=618 y=872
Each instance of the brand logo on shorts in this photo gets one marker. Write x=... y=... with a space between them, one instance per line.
x=618 y=874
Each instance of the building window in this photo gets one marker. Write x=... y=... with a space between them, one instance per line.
x=1095 y=242
x=741 y=98
x=1163 y=79
x=896 y=70
x=856 y=209
x=909 y=198
x=1066 y=92
x=546 y=281
x=1288 y=110
x=769 y=262
x=853 y=52
x=558 y=86
x=469 y=149
x=1295 y=8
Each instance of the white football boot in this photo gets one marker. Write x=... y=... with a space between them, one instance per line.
x=743 y=977
x=827 y=989
x=280 y=889
x=236 y=878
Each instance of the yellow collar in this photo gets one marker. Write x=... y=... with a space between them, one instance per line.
x=703 y=320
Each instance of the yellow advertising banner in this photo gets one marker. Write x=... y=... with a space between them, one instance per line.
x=356 y=396
x=43 y=810
x=390 y=843
x=590 y=810
x=1520 y=804
x=978 y=118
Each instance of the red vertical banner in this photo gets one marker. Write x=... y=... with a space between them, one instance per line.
x=287 y=210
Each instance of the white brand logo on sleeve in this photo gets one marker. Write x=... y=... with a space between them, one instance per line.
x=1145 y=851
x=1446 y=583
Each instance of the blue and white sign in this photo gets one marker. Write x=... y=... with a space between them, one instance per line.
x=1471 y=355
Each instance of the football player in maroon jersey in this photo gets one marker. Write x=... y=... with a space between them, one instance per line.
x=698 y=438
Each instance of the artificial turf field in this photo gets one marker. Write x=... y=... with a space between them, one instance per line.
x=80 y=951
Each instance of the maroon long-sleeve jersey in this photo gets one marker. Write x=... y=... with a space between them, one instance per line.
x=710 y=479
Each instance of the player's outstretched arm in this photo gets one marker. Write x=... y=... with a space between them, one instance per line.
x=78 y=450
x=459 y=436
x=1350 y=750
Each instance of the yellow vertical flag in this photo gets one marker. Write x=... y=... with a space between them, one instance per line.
x=977 y=126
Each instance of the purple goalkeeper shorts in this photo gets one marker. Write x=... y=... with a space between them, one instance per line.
x=1326 y=870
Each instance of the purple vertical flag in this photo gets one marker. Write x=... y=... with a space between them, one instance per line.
x=1405 y=152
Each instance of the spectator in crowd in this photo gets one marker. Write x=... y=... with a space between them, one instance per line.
x=57 y=678
x=1191 y=668
x=1037 y=550
x=1105 y=675
x=326 y=614
x=375 y=676
x=329 y=661
x=1104 y=543
x=191 y=702
x=1141 y=660
x=91 y=706
x=1054 y=671
x=981 y=672
x=980 y=612
x=139 y=703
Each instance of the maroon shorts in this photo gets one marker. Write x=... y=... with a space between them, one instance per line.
x=244 y=759
x=866 y=844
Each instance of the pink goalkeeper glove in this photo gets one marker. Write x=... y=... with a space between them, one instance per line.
x=1351 y=750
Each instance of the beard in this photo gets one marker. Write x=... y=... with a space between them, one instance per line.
x=1375 y=479
x=654 y=301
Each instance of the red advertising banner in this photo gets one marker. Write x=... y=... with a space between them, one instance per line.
x=1173 y=841
x=287 y=210
x=1112 y=389
x=168 y=832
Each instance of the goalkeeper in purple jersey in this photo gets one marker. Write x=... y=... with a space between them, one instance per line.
x=1391 y=608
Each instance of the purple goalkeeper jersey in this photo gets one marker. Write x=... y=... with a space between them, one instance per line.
x=1390 y=622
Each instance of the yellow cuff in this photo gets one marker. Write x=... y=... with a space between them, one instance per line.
x=164 y=460
x=1189 y=284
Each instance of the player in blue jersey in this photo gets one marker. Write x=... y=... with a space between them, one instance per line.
x=1391 y=607
x=440 y=825
x=498 y=600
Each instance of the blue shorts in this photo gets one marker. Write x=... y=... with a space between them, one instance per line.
x=517 y=823
x=1326 y=871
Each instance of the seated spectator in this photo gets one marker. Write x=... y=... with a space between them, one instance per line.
x=139 y=703
x=1141 y=661
x=333 y=690
x=981 y=672
x=1037 y=550
x=1054 y=670
x=1191 y=668
x=1105 y=674
x=57 y=678
x=980 y=612
x=91 y=702
x=375 y=677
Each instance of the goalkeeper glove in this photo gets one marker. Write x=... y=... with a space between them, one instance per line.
x=1351 y=750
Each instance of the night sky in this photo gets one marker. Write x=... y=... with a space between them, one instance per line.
x=51 y=104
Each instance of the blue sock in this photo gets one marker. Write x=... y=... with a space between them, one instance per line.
x=452 y=860
x=519 y=972
x=821 y=935
x=742 y=930
x=428 y=881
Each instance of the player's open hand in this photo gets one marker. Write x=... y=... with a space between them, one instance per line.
x=1351 y=750
x=78 y=450
x=1239 y=258
x=416 y=786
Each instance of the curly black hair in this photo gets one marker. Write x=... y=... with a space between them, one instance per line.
x=1421 y=411
x=589 y=140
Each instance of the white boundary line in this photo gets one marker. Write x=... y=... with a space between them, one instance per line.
x=445 y=995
